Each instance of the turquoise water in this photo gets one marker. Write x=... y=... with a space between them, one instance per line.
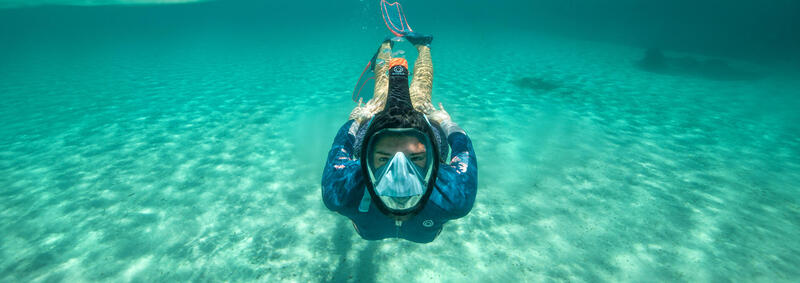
x=170 y=143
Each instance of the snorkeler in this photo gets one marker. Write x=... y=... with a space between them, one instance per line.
x=387 y=170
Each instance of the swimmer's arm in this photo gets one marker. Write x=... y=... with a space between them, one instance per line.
x=463 y=186
x=342 y=181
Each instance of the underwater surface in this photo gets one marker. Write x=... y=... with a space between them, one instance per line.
x=625 y=141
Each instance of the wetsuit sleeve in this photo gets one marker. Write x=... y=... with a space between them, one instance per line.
x=458 y=181
x=342 y=181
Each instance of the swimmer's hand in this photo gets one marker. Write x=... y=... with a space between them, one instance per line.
x=442 y=118
x=360 y=113
x=440 y=115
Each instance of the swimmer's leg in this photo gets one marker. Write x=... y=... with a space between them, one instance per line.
x=422 y=83
x=378 y=100
x=381 y=70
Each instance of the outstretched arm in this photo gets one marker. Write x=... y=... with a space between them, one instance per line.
x=457 y=183
x=342 y=181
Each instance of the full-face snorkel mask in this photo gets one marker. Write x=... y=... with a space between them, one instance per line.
x=399 y=156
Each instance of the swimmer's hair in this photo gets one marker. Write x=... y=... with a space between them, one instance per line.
x=384 y=119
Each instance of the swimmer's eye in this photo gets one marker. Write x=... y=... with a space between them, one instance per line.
x=383 y=159
x=418 y=158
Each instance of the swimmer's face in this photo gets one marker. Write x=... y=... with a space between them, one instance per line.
x=386 y=148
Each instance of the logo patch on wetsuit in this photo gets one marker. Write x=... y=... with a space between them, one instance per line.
x=427 y=223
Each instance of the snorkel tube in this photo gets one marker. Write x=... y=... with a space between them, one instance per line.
x=399 y=113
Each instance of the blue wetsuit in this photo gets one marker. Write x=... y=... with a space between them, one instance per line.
x=454 y=193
